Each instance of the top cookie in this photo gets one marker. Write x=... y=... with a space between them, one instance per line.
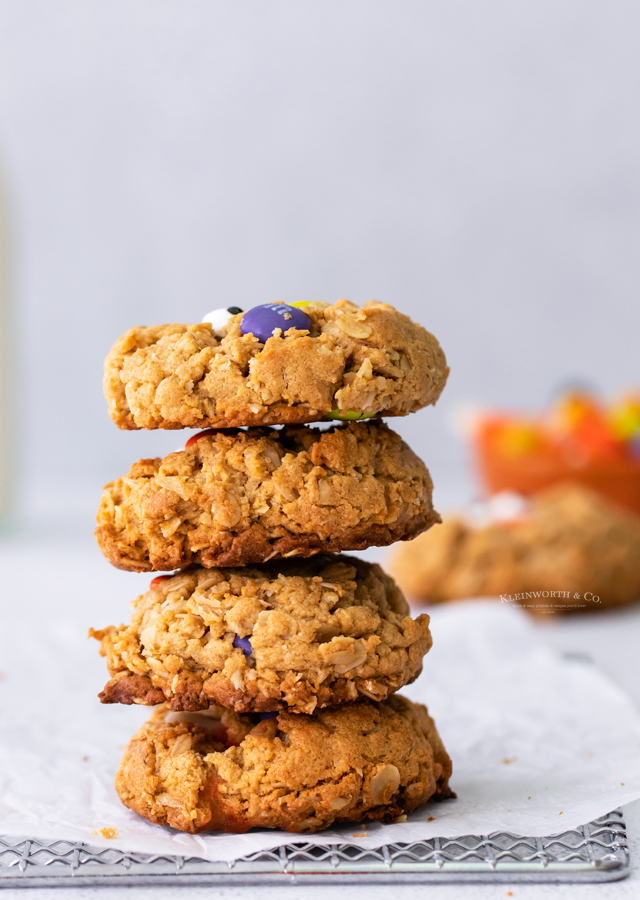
x=350 y=363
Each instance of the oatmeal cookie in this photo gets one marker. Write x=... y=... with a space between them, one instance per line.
x=220 y=771
x=231 y=499
x=570 y=541
x=350 y=362
x=299 y=634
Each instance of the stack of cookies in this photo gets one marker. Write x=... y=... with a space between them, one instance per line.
x=271 y=659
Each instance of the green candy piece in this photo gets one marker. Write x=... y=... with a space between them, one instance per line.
x=350 y=414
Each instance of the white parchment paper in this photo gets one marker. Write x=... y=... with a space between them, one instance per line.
x=540 y=744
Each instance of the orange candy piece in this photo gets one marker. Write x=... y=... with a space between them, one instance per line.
x=156 y=581
x=511 y=437
x=201 y=434
x=519 y=439
x=584 y=427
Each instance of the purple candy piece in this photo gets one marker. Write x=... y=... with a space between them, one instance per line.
x=270 y=715
x=261 y=321
x=243 y=644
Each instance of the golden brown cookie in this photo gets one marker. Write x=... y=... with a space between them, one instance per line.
x=572 y=550
x=223 y=772
x=299 y=634
x=232 y=499
x=350 y=362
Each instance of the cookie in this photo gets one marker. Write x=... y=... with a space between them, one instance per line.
x=299 y=634
x=571 y=550
x=337 y=361
x=231 y=499
x=220 y=771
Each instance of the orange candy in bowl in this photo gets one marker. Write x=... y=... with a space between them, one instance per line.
x=577 y=440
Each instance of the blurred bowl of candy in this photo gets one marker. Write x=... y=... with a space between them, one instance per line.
x=578 y=439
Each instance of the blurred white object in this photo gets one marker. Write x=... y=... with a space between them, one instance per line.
x=463 y=419
x=6 y=461
x=506 y=506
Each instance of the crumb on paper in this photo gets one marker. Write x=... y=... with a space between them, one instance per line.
x=622 y=784
x=561 y=813
x=509 y=893
x=107 y=833
x=2 y=676
x=508 y=760
x=401 y=818
x=85 y=759
x=431 y=819
x=589 y=755
x=528 y=798
x=360 y=834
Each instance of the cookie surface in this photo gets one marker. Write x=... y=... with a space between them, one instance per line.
x=305 y=634
x=225 y=772
x=569 y=542
x=237 y=498
x=371 y=360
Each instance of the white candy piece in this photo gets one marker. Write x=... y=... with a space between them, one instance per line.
x=218 y=318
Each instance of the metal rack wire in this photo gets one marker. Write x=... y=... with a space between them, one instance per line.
x=594 y=852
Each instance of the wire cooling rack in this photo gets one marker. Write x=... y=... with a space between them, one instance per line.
x=594 y=852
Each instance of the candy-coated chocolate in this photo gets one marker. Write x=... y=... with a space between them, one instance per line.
x=267 y=715
x=243 y=644
x=262 y=321
x=348 y=415
x=218 y=318
x=156 y=581
x=319 y=303
x=201 y=434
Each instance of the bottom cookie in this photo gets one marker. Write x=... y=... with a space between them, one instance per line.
x=220 y=771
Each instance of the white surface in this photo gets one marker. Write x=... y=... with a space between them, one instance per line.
x=50 y=600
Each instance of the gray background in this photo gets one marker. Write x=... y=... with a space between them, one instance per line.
x=475 y=164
